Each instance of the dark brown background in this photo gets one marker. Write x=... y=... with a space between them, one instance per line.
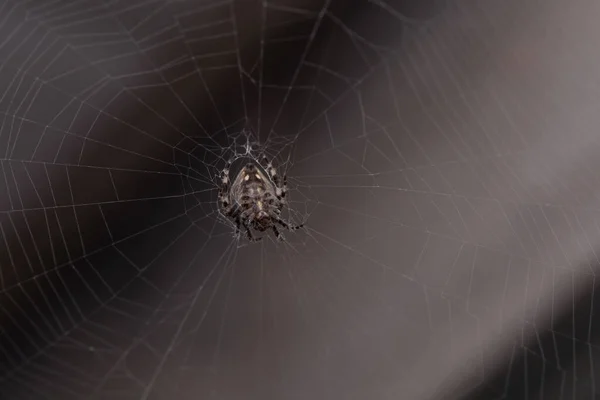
x=444 y=161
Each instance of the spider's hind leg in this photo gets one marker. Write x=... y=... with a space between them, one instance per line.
x=278 y=234
x=250 y=236
x=238 y=227
x=288 y=226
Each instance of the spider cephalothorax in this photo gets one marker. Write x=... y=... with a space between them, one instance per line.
x=255 y=199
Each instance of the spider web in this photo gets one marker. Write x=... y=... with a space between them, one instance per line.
x=450 y=222
x=202 y=161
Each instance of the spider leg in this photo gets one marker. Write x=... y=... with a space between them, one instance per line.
x=238 y=225
x=288 y=226
x=277 y=233
x=283 y=188
x=224 y=201
x=250 y=236
x=245 y=212
x=280 y=183
x=226 y=207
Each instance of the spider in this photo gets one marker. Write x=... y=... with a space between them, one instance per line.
x=255 y=200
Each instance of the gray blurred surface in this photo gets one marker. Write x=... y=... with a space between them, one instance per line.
x=442 y=156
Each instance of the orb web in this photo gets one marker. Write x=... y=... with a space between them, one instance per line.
x=451 y=223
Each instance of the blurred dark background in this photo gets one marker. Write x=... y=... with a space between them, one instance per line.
x=443 y=156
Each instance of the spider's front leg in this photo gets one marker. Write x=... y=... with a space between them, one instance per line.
x=224 y=199
x=280 y=183
x=224 y=204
